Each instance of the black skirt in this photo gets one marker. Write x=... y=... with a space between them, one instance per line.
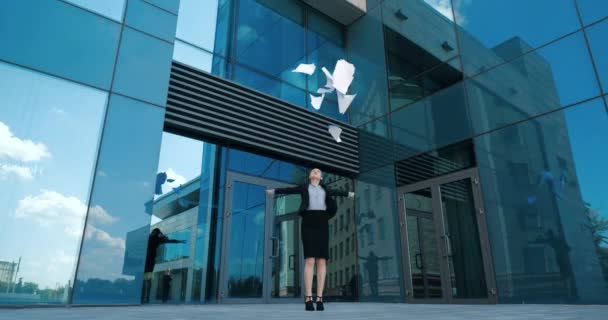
x=315 y=234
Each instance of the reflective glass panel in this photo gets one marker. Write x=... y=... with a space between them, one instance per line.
x=592 y=10
x=276 y=27
x=543 y=187
x=113 y=252
x=147 y=18
x=42 y=35
x=492 y=32
x=49 y=134
x=110 y=9
x=549 y=78
x=143 y=67
x=196 y=23
x=597 y=40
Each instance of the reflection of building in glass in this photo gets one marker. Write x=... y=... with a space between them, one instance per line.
x=8 y=274
x=342 y=270
x=176 y=213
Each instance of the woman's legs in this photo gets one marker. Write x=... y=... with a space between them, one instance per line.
x=309 y=266
x=321 y=272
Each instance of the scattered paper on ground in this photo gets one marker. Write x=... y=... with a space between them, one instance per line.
x=335 y=132
x=308 y=69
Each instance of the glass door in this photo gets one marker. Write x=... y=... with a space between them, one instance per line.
x=424 y=253
x=260 y=248
x=445 y=241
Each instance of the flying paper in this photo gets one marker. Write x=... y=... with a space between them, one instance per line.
x=343 y=75
x=325 y=90
x=316 y=101
x=335 y=132
x=330 y=78
x=344 y=101
x=308 y=69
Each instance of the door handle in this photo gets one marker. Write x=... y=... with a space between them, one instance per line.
x=418 y=259
x=448 y=246
x=275 y=247
x=292 y=262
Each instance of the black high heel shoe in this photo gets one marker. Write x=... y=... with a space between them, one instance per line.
x=308 y=303
x=320 y=306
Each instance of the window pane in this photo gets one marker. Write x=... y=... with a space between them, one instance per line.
x=267 y=28
x=546 y=219
x=264 y=167
x=192 y=56
x=119 y=211
x=111 y=9
x=150 y=19
x=375 y=147
x=170 y=5
x=325 y=45
x=366 y=52
x=436 y=121
x=85 y=53
x=379 y=259
x=597 y=40
x=144 y=64
x=425 y=28
x=552 y=77
x=273 y=87
x=45 y=176
x=492 y=32
x=196 y=23
x=224 y=29
x=592 y=10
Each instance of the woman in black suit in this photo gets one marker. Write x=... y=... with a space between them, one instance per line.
x=317 y=207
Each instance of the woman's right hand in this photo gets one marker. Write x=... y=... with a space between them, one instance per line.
x=270 y=192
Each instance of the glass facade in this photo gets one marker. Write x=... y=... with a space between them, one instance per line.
x=481 y=132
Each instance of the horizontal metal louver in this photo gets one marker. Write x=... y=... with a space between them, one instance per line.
x=218 y=110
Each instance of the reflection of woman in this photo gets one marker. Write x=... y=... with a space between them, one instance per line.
x=316 y=208
x=155 y=240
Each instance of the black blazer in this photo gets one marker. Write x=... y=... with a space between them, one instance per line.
x=330 y=194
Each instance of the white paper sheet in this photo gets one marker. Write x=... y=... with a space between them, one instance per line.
x=335 y=132
x=325 y=90
x=343 y=75
x=316 y=101
x=308 y=69
x=344 y=101
x=329 y=77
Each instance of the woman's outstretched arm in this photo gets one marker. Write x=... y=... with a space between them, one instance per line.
x=290 y=190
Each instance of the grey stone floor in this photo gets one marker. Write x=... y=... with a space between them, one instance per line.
x=346 y=311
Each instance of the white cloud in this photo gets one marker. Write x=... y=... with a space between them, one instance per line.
x=18 y=149
x=178 y=180
x=104 y=238
x=445 y=8
x=58 y=110
x=442 y=6
x=22 y=172
x=99 y=215
x=51 y=208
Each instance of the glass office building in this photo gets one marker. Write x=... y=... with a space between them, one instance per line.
x=475 y=146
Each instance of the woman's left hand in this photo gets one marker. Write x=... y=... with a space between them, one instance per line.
x=351 y=194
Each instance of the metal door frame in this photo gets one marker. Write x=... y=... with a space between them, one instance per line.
x=438 y=217
x=269 y=221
